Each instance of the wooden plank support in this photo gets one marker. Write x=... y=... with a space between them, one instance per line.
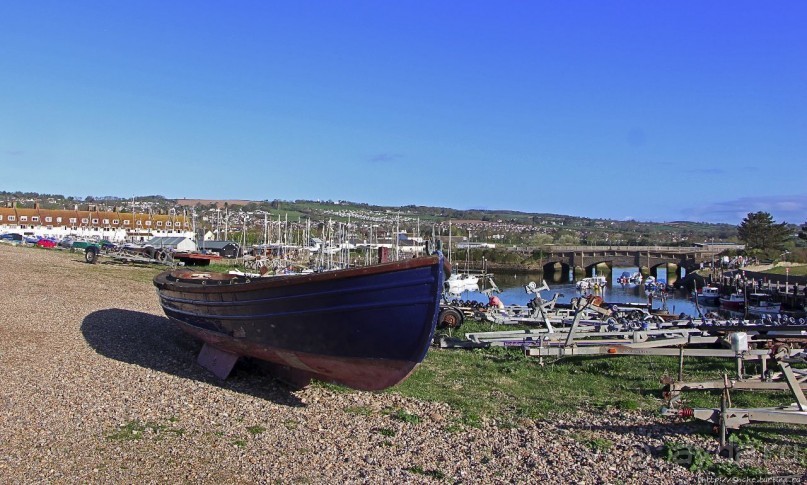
x=219 y=362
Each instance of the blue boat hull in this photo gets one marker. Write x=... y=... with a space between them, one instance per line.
x=366 y=328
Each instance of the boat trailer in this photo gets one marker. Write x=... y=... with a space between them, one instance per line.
x=144 y=255
x=727 y=417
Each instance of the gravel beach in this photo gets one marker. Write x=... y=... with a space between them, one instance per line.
x=99 y=387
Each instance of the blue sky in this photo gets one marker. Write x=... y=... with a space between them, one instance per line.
x=655 y=111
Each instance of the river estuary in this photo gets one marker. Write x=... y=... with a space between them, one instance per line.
x=513 y=292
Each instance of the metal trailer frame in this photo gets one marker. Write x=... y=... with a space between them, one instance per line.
x=761 y=382
x=541 y=337
x=158 y=256
x=640 y=344
x=728 y=417
x=574 y=340
x=538 y=312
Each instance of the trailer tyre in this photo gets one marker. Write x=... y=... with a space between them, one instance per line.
x=450 y=318
x=91 y=254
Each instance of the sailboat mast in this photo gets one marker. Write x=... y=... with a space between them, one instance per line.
x=397 y=235
x=449 y=241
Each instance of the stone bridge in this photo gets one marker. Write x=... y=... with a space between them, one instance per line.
x=582 y=259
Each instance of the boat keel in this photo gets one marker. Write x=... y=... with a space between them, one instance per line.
x=294 y=378
x=219 y=362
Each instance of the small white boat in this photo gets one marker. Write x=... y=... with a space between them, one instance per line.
x=460 y=282
x=626 y=278
x=591 y=283
x=710 y=294
x=761 y=304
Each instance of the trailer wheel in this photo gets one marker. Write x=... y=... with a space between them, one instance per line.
x=449 y=317
x=91 y=254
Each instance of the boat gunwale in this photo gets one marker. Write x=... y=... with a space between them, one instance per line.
x=330 y=292
x=173 y=280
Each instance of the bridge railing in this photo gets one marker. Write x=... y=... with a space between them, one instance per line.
x=573 y=249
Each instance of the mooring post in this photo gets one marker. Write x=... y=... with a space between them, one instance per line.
x=723 y=406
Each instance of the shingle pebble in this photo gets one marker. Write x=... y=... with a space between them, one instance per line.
x=96 y=386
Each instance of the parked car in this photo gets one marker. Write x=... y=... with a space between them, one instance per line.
x=46 y=243
x=106 y=244
x=11 y=236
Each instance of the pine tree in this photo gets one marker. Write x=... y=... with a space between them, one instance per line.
x=759 y=231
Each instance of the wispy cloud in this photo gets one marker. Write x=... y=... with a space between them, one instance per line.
x=385 y=158
x=783 y=208
x=714 y=171
x=14 y=153
x=707 y=171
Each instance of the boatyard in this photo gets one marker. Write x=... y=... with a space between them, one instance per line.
x=99 y=386
x=406 y=243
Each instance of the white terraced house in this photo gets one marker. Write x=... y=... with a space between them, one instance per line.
x=91 y=223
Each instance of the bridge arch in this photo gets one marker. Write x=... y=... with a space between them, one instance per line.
x=556 y=272
x=675 y=271
x=603 y=268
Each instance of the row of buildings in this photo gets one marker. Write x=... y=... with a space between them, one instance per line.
x=93 y=223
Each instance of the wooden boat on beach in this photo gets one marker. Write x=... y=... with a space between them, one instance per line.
x=366 y=328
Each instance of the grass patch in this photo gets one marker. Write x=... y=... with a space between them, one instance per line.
x=696 y=459
x=405 y=416
x=595 y=443
x=484 y=383
x=436 y=474
x=692 y=458
x=800 y=270
x=255 y=430
x=136 y=430
x=388 y=432
x=504 y=385
x=359 y=410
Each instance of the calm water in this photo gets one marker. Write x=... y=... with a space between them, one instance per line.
x=513 y=293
